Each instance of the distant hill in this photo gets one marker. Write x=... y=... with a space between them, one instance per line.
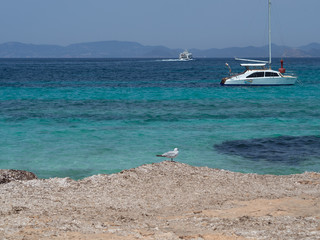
x=121 y=49
x=311 y=50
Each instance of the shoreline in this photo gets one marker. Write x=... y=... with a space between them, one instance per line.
x=166 y=200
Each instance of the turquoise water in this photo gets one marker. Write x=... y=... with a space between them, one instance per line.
x=79 y=117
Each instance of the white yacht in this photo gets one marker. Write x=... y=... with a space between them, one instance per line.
x=185 y=56
x=257 y=73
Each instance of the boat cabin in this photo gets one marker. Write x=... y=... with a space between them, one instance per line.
x=258 y=74
x=258 y=70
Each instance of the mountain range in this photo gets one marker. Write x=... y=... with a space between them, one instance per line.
x=122 y=49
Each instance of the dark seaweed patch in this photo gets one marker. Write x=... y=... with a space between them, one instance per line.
x=288 y=149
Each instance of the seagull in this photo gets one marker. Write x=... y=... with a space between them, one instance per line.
x=170 y=154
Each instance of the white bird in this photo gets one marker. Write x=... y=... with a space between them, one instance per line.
x=170 y=154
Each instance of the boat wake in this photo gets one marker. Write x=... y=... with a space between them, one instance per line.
x=174 y=60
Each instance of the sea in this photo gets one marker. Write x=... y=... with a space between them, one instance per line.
x=80 y=117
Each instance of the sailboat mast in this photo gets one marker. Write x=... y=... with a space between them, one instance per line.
x=269 y=27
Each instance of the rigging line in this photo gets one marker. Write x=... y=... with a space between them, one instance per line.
x=279 y=28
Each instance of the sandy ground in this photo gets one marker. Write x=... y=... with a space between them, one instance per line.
x=167 y=200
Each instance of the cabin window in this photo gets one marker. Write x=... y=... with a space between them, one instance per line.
x=256 y=74
x=272 y=74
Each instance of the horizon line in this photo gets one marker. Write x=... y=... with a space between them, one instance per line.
x=122 y=41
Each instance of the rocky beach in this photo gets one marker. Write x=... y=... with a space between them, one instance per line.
x=167 y=200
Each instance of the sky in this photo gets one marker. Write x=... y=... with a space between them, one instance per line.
x=201 y=24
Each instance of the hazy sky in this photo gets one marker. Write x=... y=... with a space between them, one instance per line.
x=173 y=23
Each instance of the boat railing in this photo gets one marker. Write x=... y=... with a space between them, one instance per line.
x=236 y=74
x=289 y=74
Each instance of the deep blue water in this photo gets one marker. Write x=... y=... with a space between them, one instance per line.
x=79 y=117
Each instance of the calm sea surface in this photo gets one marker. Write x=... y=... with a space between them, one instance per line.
x=79 y=117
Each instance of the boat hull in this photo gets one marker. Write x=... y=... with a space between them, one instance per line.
x=278 y=81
